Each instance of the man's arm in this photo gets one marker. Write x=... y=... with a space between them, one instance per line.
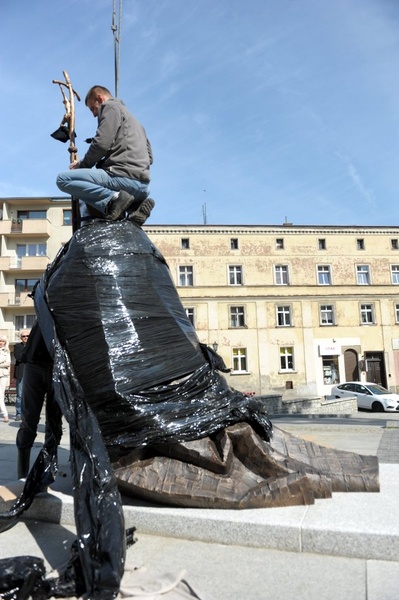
x=108 y=125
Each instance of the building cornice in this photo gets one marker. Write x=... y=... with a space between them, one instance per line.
x=281 y=230
x=59 y=200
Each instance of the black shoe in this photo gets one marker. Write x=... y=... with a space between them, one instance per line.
x=141 y=214
x=116 y=208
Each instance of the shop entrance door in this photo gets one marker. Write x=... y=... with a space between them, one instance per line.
x=376 y=368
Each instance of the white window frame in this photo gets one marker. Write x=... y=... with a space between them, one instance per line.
x=286 y=359
x=67 y=217
x=237 y=316
x=32 y=249
x=326 y=309
x=235 y=274
x=284 y=315
x=23 y=322
x=37 y=214
x=324 y=275
x=367 y=314
x=281 y=275
x=239 y=360
x=396 y=312
x=395 y=274
x=363 y=274
x=190 y=312
x=279 y=243
x=186 y=275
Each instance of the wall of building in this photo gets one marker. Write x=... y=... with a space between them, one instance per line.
x=32 y=230
x=362 y=265
x=288 y=274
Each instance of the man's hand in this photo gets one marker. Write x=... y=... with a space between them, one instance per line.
x=75 y=164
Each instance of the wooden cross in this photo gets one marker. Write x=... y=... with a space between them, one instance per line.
x=69 y=119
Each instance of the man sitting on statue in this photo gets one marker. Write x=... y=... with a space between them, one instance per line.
x=122 y=155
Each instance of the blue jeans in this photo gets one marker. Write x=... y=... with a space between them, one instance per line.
x=96 y=187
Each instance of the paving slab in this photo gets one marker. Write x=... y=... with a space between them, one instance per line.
x=344 y=547
x=221 y=572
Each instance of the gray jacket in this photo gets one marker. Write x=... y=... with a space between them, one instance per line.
x=120 y=145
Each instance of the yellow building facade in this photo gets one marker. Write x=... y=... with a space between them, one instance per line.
x=32 y=230
x=292 y=310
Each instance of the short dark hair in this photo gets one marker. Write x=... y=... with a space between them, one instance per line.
x=97 y=89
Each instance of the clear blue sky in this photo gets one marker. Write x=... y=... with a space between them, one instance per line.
x=262 y=110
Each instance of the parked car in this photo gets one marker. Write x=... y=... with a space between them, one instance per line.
x=369 y=395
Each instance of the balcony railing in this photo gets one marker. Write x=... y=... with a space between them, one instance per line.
x=24 y=263
x=8 y=299
x=32 y=227
x=16 y=225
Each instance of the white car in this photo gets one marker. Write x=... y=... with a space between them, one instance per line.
x=369 y=395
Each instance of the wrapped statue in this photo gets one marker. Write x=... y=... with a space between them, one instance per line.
x=148 y=408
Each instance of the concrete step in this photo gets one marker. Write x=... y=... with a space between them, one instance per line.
x=352 y=525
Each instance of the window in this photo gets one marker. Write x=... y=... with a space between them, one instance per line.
x=31 y=250
x=324 y=275
x=237 y=316
x=67 y=216
x=397 y=313
x=395 y=274
x=280 y=243
x=239 y=360
x=24 y=322
x=23 y=286
x=284 y=316
x=326 y=314
x=363 y=275
x=233 y=243
x=31 y=214
x=287 y=358
x=185 y=243
x=235 y=275
x=186 y=276
x=330 y=370
x=281 y=274
x=190 y=315
x=395 y=244
x=360 y=244
x=322 y=244
x=366 y=314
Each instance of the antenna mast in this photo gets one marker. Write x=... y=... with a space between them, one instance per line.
x=204 y=218
x=204 y=213
x=116 y=30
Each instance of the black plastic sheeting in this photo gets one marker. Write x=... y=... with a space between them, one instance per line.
x=24 y=577
x=129 y=371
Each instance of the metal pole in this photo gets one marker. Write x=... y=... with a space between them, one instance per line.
x=116 y=30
